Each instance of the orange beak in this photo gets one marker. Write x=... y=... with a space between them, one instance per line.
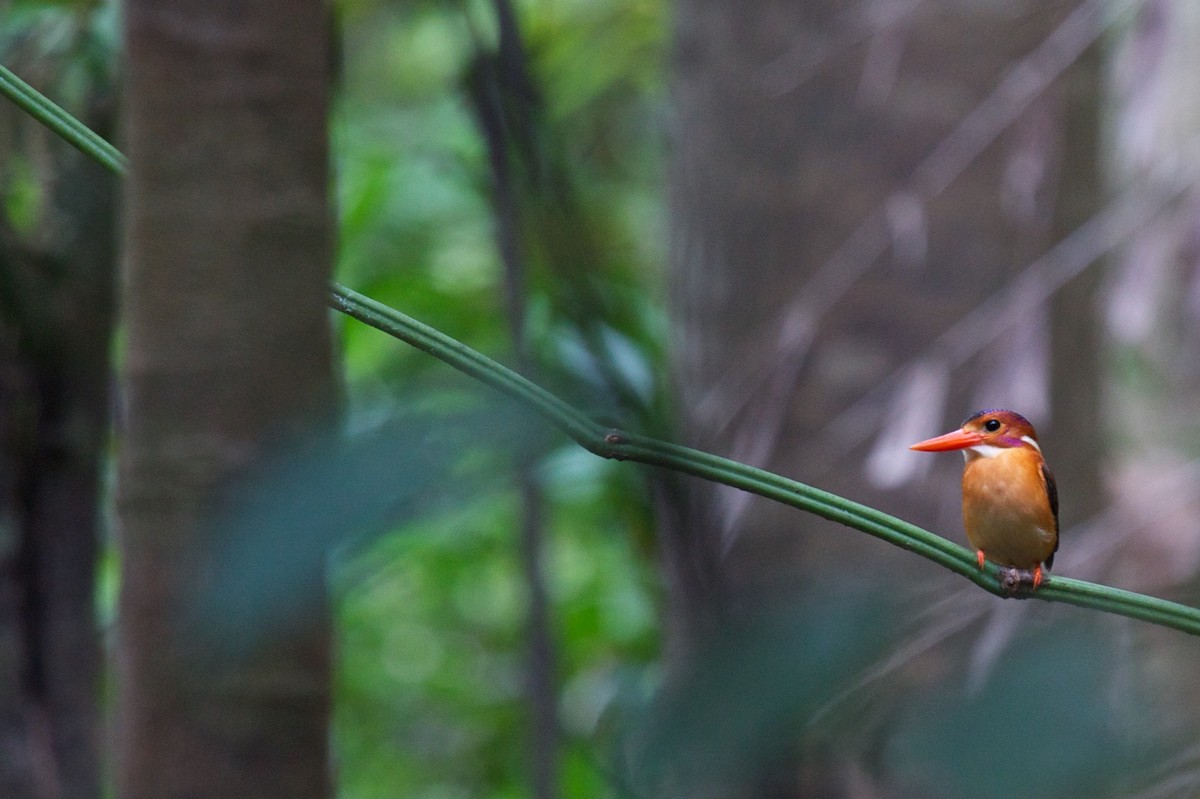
x=958 y=439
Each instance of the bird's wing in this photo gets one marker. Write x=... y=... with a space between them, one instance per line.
x=1052 y=494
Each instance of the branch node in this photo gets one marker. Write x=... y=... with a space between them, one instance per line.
x=612 y=439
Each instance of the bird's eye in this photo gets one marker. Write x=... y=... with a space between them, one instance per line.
x=991 y=425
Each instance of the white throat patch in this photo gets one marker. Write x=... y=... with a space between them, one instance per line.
x=982 y=451
x=991 y=451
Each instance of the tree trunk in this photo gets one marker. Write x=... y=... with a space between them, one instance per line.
x=229 y=253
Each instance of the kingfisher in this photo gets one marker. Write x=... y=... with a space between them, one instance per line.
x=1010 y=501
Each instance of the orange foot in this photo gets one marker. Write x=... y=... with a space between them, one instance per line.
x=1037 y=577
x=979 y=558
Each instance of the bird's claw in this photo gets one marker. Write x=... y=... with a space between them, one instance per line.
x=1013 y=579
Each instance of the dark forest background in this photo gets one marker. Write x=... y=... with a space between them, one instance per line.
x=249 y=548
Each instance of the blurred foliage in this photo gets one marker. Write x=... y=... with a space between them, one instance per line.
x=67 y=50
x=431 y=594
x=431 y=696
x=431 y=610
x=757 y=681
x=1058 y=704
x=417 y=230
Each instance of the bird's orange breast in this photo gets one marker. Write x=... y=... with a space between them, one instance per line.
x=1006 y=509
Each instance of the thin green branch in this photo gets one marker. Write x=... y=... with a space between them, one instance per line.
x=70 y=129
x=611 y=443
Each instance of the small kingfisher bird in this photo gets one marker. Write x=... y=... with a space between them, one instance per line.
x=1010 y=501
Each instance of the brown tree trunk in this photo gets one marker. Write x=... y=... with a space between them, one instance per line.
x=229 y=254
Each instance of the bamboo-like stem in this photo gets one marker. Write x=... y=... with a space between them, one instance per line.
x=70 y=129
x=612 y=443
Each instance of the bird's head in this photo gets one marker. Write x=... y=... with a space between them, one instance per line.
x=986 y=434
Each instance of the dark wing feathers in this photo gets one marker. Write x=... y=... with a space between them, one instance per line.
x=1052 y=493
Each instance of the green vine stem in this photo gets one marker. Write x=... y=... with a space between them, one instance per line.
x=612 y=443
x=70 y=129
